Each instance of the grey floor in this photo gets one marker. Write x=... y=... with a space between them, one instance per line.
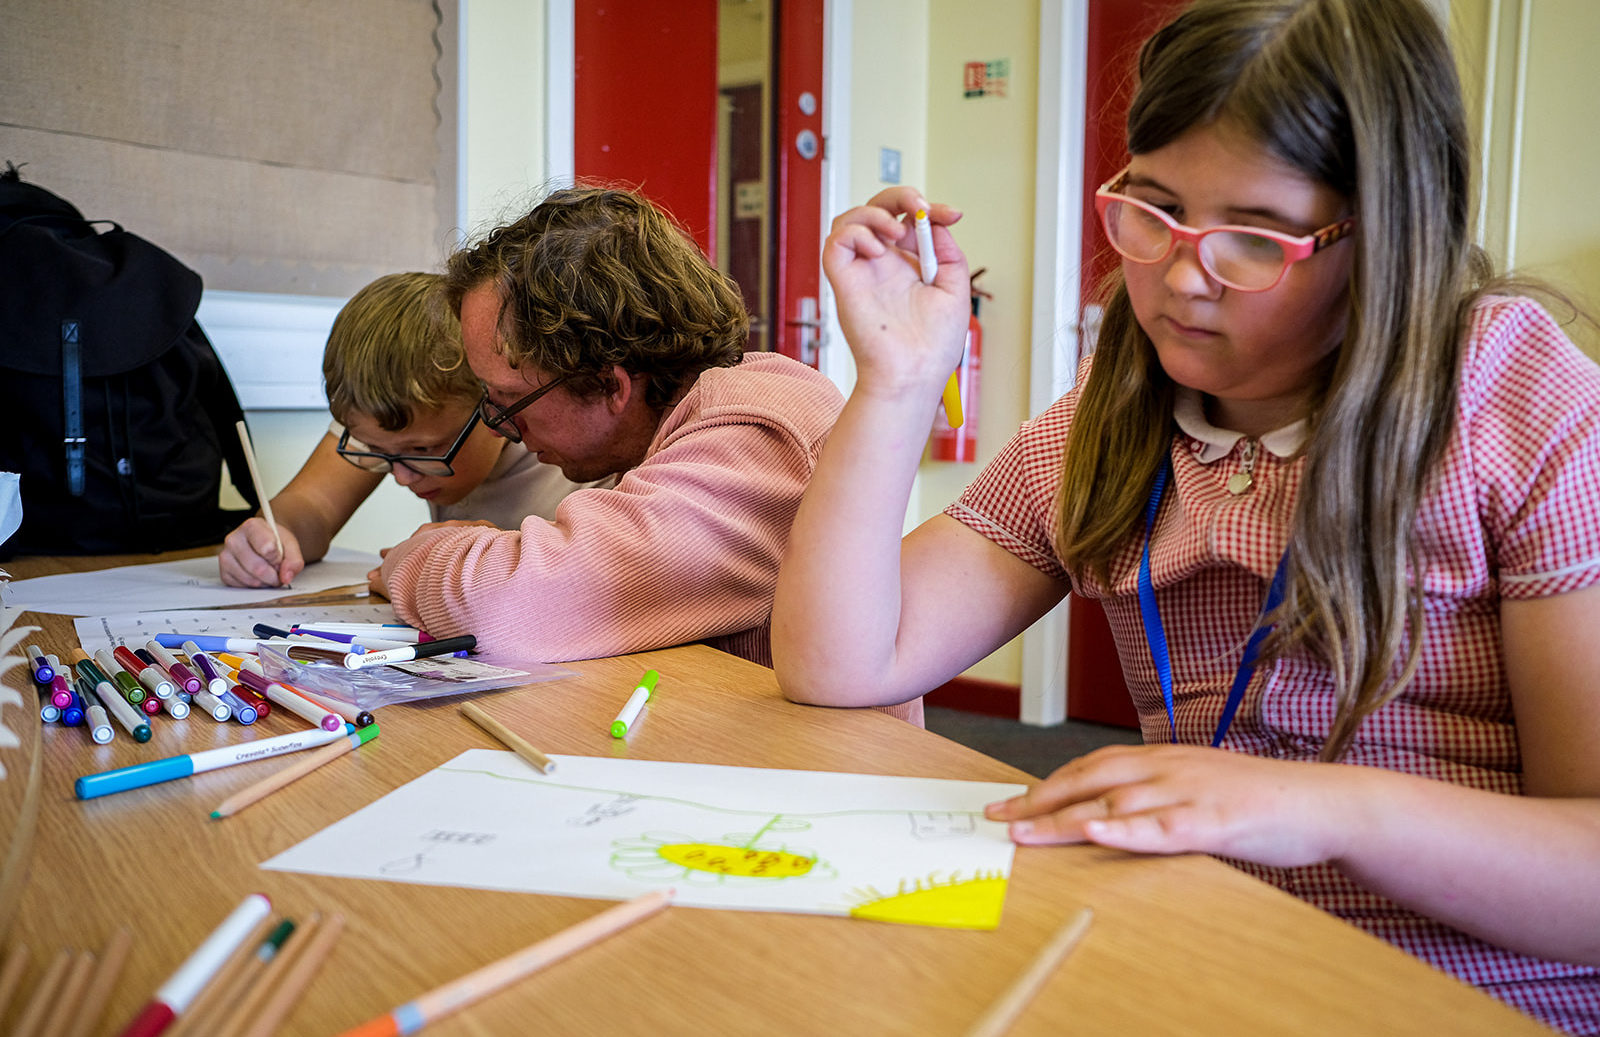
x=1037 y=750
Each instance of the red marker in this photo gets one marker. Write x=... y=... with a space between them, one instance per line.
x=178 y=993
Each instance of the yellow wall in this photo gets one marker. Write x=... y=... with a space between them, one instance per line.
x=981 y=159
x=1546 y=227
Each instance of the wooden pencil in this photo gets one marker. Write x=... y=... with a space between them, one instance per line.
x=38 y=1007
x=11 y=975
x=513 y=741
x=108 y=968
x=246 y=1007
x=72 y=988
x=217 y=997
x=998 y=1019
x=296 y=979
x=294 y=771
x=261 y=490
x=474 y=986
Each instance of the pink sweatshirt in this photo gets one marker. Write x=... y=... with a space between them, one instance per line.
x=685 y=547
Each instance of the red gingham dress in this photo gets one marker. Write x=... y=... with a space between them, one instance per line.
x=1513 y=512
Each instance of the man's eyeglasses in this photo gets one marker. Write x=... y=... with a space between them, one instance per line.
x=1248 y=259
x=360 y=455
x=498 y=419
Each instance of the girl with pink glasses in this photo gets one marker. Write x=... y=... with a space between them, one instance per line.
x=1334 y=485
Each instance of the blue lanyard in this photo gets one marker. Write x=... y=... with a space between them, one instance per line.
x=1156 y=634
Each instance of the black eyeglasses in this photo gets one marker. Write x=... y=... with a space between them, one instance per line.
x=497 y=419
x=360 y=455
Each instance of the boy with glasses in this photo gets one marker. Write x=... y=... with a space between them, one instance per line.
x=609 y=346
x=404 y=405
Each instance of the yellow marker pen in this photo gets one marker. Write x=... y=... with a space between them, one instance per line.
x=930 y=268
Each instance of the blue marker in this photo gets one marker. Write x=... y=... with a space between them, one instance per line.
x=208 y=643
x=243 y=711
x=72 y=715
x=141 y=774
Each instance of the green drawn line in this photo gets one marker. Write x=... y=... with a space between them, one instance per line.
x=774 y=818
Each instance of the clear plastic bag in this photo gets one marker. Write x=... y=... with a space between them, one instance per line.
x=436 y=677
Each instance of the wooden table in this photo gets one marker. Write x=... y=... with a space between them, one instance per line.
x=1180 y=945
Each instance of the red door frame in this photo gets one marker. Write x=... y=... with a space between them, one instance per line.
x=1096 y=689
x=645 y=104
x=798 y=147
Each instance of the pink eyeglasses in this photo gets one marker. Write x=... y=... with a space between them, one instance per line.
x=1248 y=259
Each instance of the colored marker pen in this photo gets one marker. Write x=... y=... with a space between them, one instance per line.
x=291 y=700
x=930 y=269
x=444 y=646
x=366 y=641
x=208 y=643
x=243 y=711
x=154 y=772
x=218 y=709
x=95 y=717
x=49 y=712
x=154 y=680
x=131 y=689
x=636 y=701
x=60 y=691
x=387 y=631
x=72 y=715
x=216 y=683
x=150 y=705
x=176 y=707
x=43 y=673
x=255 y=699
x=182 y=676
x=124 y=714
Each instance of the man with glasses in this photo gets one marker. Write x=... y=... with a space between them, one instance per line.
x=608 y=346
x=404 y=405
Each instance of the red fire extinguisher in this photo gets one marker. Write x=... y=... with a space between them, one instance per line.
x=961 y=443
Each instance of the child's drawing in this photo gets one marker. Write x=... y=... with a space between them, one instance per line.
x=883 y=848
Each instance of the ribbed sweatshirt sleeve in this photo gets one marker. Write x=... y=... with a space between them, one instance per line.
x=685 y=548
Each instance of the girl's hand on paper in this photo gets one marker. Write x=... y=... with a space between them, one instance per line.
x=1187 y=799
x=249 y=556
x=904 y=334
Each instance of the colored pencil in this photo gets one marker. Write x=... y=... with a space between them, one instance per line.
x=474 y=986
x=216 y=1001
x=246 y=1006
x=998 y=1019
x=11 y=975
x=108 y=968
x=513 y=741
x=31 y=1021
x=72 y=988
x=261 y=490
x=296 y=979
x=299 y=769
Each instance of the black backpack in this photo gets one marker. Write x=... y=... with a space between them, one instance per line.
x=113 y=405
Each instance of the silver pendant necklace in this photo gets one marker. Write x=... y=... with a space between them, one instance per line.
x=1240 y=482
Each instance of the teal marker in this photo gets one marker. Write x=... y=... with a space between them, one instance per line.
x=636 y=701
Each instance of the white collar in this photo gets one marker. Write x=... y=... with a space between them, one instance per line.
x=1213 y=443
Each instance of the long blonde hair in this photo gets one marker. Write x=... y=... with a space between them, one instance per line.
x=1360 y=95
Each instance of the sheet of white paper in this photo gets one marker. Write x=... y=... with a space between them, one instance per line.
x=187 y=584
x=133 y=629
x=900 y=849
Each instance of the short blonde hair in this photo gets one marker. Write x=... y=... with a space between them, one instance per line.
x=390 y=353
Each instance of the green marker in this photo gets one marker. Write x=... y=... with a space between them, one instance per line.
x=636 y=701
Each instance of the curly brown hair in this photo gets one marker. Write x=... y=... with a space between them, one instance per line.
x=595 y=277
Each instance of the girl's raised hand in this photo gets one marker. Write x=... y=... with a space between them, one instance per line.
x=1182 y=799
x=903 y=333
